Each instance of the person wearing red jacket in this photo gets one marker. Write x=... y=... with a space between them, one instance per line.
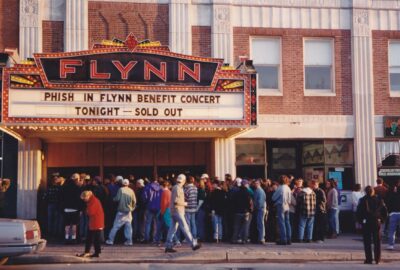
x=95 y=212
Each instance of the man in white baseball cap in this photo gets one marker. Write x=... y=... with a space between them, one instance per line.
x=178 y=216
x=126 y=204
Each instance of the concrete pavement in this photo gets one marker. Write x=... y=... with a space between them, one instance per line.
x=345 y=248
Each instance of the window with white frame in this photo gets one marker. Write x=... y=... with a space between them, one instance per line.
x=318 y=65
x=394 y=65
x=266 y=55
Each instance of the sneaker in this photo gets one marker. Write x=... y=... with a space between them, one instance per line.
x=319 y=242
x=109 y=242
x=177 y=244
x=94 y=255
x=262 y=242
x=196 y=247
x=170 y=250
x=390 y=247
x=127 y=243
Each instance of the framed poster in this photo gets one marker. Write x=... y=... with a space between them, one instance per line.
x=391 y=125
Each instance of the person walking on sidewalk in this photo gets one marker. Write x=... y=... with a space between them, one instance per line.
x=282 y=198
x=393 y=205
x=126 y=204
x=371 y=213
x=177 y=207
x=306 y=201
x=95 y=212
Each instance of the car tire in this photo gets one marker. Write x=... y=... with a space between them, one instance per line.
x=3 y=260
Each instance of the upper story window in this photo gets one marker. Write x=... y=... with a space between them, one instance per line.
x=266 y=55
x=318 y=66
x=394 y=66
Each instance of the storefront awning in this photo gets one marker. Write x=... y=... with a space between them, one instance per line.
x=385 y=149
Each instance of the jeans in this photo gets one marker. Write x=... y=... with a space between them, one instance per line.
x=53 y=220
x=178 y=219
x=306 y=224
x=285 y=231
x=138 y=224
x=240 y=227
x=191 y=221
x=122 y=219
x=217 y=226
x=200 y=224
x=333 y=216
x=149 y=217
x=394 y=221
x=260 y=218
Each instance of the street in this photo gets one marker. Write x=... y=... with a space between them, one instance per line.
x=256 y=266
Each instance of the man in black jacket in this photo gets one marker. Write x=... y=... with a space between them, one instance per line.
x=393 y=205
x=371 y=213
x=320 y=212
x=242 y=207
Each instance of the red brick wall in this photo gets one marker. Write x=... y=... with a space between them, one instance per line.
x=9 y=24
x=293 y=100
x=53 y=36
x=201 y=41
x=384 y=104
x=117 y=19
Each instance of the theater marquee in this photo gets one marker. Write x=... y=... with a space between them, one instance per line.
x=128 y=84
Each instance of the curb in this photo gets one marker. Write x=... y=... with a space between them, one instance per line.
x=220 y=257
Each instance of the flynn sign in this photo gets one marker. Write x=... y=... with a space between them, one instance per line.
x=127 y=84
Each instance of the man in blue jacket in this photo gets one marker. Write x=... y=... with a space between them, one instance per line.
x=152 y=201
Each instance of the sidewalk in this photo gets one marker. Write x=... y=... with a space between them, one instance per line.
x=345 y=248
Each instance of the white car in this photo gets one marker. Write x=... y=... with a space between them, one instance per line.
x=18 y=237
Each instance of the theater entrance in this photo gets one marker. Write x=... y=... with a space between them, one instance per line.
x=141 y=158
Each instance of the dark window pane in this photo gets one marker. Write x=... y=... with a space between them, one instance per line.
x=267 y=77
x=318 y=78
x=395 y=81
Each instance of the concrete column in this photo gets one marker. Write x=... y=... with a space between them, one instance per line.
x=180 y=26
x=76 y=25
x=222 y=32
x=29 y=176
x=225 y=157
x=363 y=95
x=30 y=28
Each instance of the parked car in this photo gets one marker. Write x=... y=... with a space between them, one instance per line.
x=18 y=237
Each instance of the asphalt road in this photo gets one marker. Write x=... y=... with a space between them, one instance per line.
x=272 y=266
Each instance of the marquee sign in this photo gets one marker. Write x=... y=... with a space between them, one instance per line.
x=127 y=84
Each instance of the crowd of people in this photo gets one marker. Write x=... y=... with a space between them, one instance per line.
x=231 y=210
x=185 y=208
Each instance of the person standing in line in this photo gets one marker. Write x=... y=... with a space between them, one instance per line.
x=282 y=198
x=4 y=186
x=218 y=203
x=294 y=214
x=332 y=204
x=356 y=195
x=95 y=212
x=393 y=206
x=260 y=210
x=52 y=197
x=200 y=211
x=126 y=204
x=242 y=207
x=371 y=213
x=72 y=206
x=177 y=207
x=320 y=212
x=152 y=200
x=306 y=201
x=191 y=195
x=138 y=213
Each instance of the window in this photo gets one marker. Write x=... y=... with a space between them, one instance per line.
x=318 y=67
x=394 y=66
x=266 y=55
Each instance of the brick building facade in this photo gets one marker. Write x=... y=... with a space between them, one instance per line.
x=325 y=114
